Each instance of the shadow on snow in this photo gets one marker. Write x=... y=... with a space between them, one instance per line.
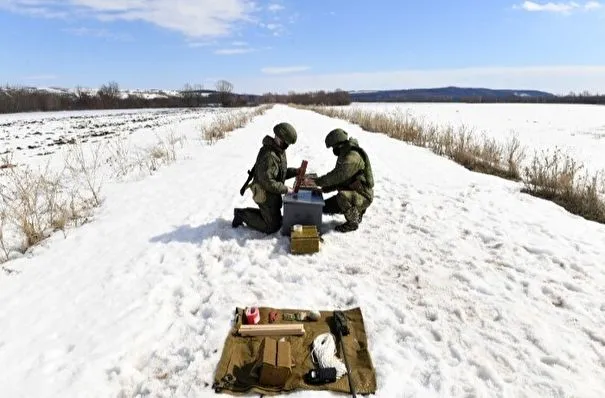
x=221 y=229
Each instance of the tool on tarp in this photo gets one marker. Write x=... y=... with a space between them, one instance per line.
x=342 y=329
x=252 y=315
x=321 y=376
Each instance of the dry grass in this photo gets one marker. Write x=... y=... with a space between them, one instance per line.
x=477 y=153
x=84 y=168
x=551 y=176
x=35 y=203
x=124 y=159
x=229 y=121
x=556 y=177
x=164 y=152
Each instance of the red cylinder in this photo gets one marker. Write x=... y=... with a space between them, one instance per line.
x=252 y=315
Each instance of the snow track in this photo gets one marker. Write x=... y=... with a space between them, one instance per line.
x=468 y=288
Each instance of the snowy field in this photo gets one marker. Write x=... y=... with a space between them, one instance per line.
x=28 y=136
x=578 y=130
x=111 y=145
x=468 y=287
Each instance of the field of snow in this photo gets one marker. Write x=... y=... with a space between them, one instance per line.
x=468 y=287
x=578 y=130
x=38 y=134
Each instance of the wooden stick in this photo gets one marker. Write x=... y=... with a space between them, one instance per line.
x=300 y=176
x=295 y=329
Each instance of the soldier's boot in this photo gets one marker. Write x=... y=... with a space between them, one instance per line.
x=352 y=217
x=238 y=219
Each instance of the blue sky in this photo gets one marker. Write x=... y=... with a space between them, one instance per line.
x=283 y=45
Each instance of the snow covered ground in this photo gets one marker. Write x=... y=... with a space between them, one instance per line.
x=39 y=134
x=578 y=130
x=468 y=288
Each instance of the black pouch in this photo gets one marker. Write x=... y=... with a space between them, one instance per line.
x=321 y=376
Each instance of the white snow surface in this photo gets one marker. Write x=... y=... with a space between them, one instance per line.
x=468 y=288
x=578 y=130
x=31 y=136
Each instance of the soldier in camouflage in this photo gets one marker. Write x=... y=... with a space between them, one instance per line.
x=270 y=172
x=352 y=177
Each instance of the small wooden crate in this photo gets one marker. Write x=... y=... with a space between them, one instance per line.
x=305 y=241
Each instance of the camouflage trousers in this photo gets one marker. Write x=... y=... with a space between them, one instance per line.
x=351 y=204
x=267 y=218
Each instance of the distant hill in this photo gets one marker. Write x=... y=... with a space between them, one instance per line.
x=442 y=94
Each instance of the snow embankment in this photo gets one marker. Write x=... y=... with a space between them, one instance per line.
x=468 y=288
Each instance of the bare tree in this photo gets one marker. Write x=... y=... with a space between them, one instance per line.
x=223 y=86
x=224 y=89
x=110 y=90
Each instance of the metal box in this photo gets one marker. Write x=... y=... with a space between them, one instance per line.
x=304 y=207
x=305 y=241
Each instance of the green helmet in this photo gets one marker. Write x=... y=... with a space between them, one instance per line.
x=335 y=137
x=286 y=132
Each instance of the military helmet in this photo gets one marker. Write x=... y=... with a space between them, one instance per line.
x=286 y=132
x=335 y=137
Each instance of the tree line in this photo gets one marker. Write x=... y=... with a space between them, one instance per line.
x=571 y=98
x=109 y=96
x=338 y=97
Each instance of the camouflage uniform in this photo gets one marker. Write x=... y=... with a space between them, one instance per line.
x=270 y=173
x=352 y=177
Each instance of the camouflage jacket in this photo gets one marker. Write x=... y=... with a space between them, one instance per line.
x=353 y=172
x=271 y=168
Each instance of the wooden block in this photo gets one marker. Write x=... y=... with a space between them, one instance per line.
x=295 y=329
x=276 y=362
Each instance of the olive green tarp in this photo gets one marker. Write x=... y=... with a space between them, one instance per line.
x=237 y=370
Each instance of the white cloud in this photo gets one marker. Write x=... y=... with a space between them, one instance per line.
x=561 y=7
x=194 y=18
x=239 y=43
x=279 y=70
x=275 y=28
x=234 y=51
x=196 y=44
x=101 y=33
x=555 y=79
x=275 y=7
x=592 y=5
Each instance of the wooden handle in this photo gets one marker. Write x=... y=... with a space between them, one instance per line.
x=300 y=176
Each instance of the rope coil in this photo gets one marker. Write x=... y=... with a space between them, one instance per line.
x=324 y=349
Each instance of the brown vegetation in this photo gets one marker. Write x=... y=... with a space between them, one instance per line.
x=551 y=176
x=461 y=145
x=229 y=121
x=34 y=203
x=556 y=177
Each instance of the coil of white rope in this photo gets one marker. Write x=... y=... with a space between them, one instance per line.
x=324 y=349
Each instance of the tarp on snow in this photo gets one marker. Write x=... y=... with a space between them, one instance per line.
x=237 y=374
